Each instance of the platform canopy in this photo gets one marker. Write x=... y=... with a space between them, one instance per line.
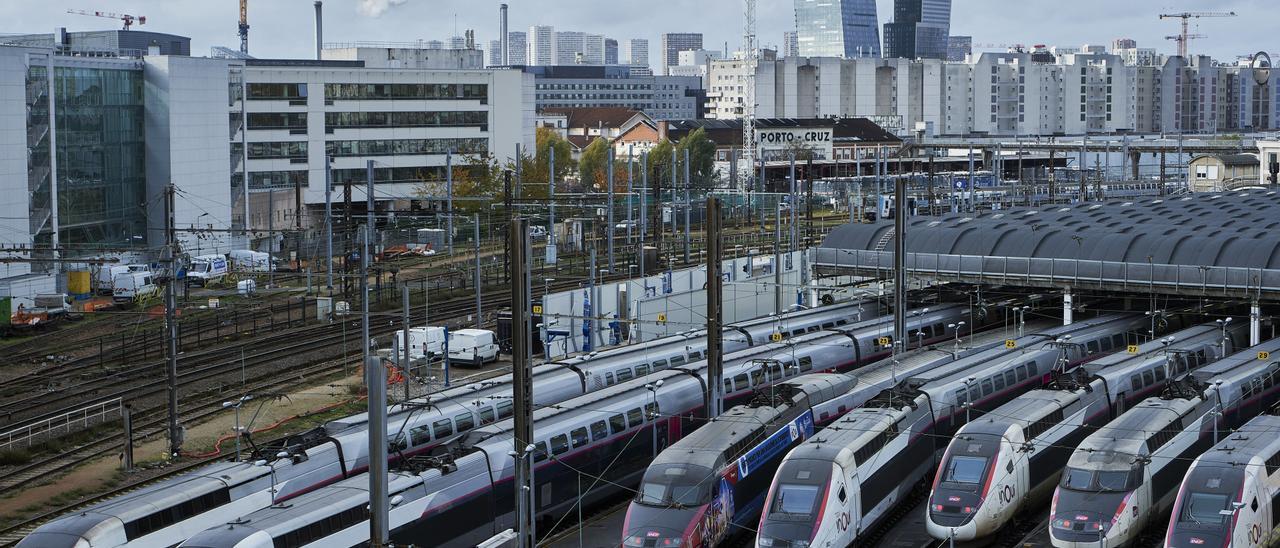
x=1201 y=244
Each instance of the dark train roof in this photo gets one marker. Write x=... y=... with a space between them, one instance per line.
x=1239 y=229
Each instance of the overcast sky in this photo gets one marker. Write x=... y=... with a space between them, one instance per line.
x=283 y=28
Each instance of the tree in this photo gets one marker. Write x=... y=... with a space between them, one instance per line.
x=535 y=170
x=660 y=163
x=593 y=165
x=477 y=182
x=702 y=159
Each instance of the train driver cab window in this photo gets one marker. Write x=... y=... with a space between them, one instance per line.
x=617 y=424
x=599 y=431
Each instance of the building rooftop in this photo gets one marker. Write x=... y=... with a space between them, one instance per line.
x=589 y=117
x=729 y=132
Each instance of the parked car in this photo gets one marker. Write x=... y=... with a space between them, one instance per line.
x=474 y=346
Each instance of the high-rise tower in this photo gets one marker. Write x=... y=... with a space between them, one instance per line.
x=837 y=28
x=919 y=30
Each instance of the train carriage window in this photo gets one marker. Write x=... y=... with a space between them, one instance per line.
x=677 y=361
x=642 y=370
x=599 y=431
x=1021 y=372
x=442 y=428
x=999 y=382
x=1135 y=382
x=420 y=435
x=1148 y=378
x=579 y=437
x=617 y=424
x=757 y=377
x=728 y=386
x=1106 y=344
x=1159 y=371
x=775 y=372
x=842 y=322
x=635 y=417
x=828 y=325
x=806 y=364
x=624 y=375
x=740 y=382
x=975 y=393
x=465 y=421
x=505 y=409
x=812 y=328
x=986 y=387
x=658 y=365
x=540 y=451
x=1117 y=340
x=695 y=355
x=486 y=415
x=1092 y=346
x=961 y=397
x=559 y=444
x=1010 y=378
x=939 y=329
x=608 y=379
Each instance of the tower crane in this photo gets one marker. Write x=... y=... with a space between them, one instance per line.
x=1186 y=18
x=750 y=55
x=1181 y=40
x=244 y=27
x=128 y=20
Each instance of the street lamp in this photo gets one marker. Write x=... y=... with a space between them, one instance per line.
x=237 y=405
x=968 y=401
x=1222 y=326
x=272 y=465
x=956 y=327
x=653 y=415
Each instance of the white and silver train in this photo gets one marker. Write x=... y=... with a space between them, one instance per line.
x=841 y=483
x=1010 y=460
x=721 y=473
x=1230 y=497
x=608 y=433
x=170 y=511
x=1124 y=476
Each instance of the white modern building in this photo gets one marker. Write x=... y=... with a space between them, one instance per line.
x=540 y=44
x=637 y=52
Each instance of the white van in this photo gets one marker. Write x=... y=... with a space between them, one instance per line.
x=131 y=286
x=245 y=260
x=424 y=342
x=476 y=346
x=207 y=268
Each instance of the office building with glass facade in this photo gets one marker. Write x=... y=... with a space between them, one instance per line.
x=920 y=29
x=837 y=28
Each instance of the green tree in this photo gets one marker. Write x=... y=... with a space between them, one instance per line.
x=477 y=182
x=534 y=170
x=593 y=165
x=702 y=158
x=660 y=163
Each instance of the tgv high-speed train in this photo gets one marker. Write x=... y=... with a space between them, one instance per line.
x=1230 y=496
x=606 y=437
x=168 y=512
x=1010 y=459
x=1126 y=474
x=842 y=482
x=723 y=470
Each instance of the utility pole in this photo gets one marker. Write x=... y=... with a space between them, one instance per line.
x=657 y=210
x=376 y=381
x=404 y=322
x=171 y=323
x=328 y=221
x=448 y=190
x=609 y=229
x=899 y=264
x=271 y=235
x=297 y=227
x=630 y=188
x=551 y=206
x=688 y=182
x=479 y=311
x=777 y=259
x=644 y=221
x=715 y=283
x=522 y=378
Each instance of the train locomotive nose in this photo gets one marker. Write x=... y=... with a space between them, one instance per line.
x=662 y=528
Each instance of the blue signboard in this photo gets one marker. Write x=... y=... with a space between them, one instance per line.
x=776 y=444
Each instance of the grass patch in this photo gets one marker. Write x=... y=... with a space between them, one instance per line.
x=14 y=457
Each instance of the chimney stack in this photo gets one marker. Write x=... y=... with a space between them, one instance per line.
x=319 y=28
x=502 y=27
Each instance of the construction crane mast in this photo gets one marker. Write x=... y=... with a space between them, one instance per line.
x=1186 y=18
x=244 y=27
x=128 y=20
x=750 y=54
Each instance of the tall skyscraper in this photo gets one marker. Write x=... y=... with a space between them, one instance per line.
x=610 y=51
x=919 y=30
x=541 y=45
x=568 y=45
x=516 y=48
x=837 y=28
x=495 y=53
x=592 y=49
x=958 y=47
x=637 y=54
x=675 y=42
x=790 y=44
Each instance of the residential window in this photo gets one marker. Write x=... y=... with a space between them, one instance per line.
x=265 y=91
